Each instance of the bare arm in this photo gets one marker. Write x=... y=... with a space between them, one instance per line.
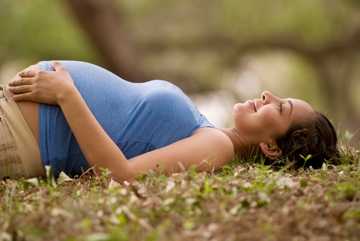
x=99 y=149
x=206 y=151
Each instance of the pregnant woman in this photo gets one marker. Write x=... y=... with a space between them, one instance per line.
x=77 y=115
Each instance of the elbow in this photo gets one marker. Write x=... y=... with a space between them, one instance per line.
x=126 y=175
x=127 y=179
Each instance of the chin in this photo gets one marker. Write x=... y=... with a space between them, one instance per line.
x=241 y=109
x=238 y=107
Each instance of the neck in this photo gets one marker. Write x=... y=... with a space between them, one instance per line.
x=242 y=147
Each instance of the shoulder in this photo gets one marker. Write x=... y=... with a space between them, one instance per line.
x=217 y=140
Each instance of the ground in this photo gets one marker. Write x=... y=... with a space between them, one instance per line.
x=242 y=201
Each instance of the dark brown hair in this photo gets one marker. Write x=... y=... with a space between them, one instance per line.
x=308 y=144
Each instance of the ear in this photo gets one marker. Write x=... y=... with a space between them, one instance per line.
x=271 y=150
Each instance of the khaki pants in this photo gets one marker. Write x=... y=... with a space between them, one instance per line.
x=19 y=151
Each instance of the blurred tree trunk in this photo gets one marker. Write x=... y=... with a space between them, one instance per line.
x=101 y=21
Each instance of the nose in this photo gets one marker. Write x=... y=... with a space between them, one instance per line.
x=267 y=97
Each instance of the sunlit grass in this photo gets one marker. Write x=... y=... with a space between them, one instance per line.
x=245 y=200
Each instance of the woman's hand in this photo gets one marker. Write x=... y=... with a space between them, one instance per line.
x=48 y=87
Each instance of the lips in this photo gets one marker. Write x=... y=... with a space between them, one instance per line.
x=251 y=104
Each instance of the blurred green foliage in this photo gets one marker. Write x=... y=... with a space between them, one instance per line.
x=308 y=18
x=40 y=29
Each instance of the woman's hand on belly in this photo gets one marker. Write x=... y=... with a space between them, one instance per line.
x=48 y=87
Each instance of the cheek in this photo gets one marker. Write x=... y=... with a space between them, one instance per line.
x=266 y=120
x=272 y=120
x=247 y=121
x=269 y=117
x=263 y=121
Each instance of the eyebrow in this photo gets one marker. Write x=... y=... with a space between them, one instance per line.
x=291 y=107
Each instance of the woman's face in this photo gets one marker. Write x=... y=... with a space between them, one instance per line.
x=266 y=118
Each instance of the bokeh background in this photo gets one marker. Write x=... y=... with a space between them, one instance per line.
x=218 y=51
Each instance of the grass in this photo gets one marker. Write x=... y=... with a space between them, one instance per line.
x=242 y=201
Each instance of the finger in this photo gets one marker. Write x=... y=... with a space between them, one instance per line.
x=58 y=66
x=23 y=97
x=21 y=81
x=27 y=73
x=16 y=78
x=20 y=89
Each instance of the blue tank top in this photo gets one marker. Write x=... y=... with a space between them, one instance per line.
x=138 y=117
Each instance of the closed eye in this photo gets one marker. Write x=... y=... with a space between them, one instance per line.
x=281 y=107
